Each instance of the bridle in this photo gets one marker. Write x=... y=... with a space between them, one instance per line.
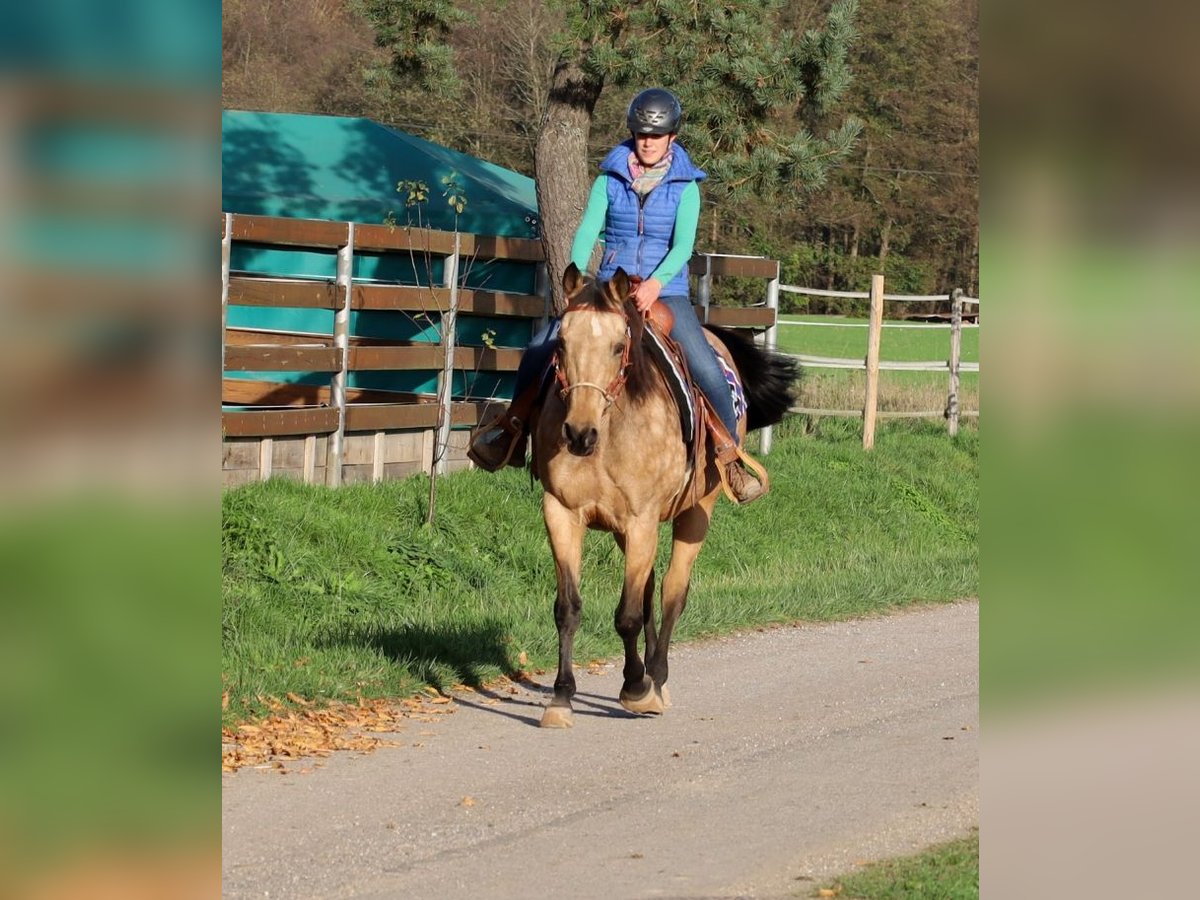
x=616 y=385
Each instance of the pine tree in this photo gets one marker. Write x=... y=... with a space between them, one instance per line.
x=755 y=95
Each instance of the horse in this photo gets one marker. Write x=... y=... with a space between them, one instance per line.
x=608 y=449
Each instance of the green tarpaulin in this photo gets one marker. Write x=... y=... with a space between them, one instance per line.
x=347 y=170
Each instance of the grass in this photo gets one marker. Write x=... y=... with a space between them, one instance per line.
x=843 y=389
x=344 y=593
x=946 y=872
x=921 y=341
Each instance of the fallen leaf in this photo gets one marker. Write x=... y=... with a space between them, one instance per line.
x=523 y=658
x=296 y=698
x=467 y=801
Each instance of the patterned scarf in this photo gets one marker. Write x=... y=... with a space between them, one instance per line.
x=645 y=180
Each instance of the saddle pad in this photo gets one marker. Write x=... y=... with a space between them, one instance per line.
x=735 y=387
x=675 y=380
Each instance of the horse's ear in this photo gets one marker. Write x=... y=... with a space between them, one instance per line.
x=618 y=287
x=572 y=281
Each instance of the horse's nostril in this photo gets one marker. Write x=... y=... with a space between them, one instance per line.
x=580 y=441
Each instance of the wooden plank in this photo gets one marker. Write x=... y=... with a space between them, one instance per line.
x=283 y=292
x=424 y=299
x=394 y=416
x=421 y=241
x=283 y=359
x=244 y=392
x=310 y=458
x=739 y=317
x=397 y=358
x=375 y=238
x=290 y=232
x=265 y=423
x=495 y=247
x=487 y=359
x=249 y=337
x=742 y=266
x=266 y=456
x=431 y=356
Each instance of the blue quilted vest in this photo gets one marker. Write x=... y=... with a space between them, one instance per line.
x=637 y=234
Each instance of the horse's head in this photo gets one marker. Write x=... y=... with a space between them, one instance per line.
x=593 y=359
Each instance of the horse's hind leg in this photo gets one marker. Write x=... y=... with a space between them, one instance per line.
x=690 y=529
x=566 y=541
x=640 y=544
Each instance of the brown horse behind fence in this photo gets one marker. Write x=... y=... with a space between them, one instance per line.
x=609 y=452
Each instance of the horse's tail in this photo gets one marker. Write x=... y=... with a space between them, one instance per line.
x=767 y=377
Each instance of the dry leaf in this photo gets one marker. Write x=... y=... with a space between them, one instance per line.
x=467 y=801
x=523 y=658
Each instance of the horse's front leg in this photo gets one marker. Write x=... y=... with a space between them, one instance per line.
x=640 y=545
x=690 y=529
x=566 y=541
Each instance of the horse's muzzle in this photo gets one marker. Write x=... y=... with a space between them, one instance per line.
x=580 y=441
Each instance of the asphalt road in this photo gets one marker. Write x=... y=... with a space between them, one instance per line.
x=790 y=755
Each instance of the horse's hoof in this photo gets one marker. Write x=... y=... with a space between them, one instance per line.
x=651 y=702
x=557 y=717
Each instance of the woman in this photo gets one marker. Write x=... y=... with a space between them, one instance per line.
x=646 y=201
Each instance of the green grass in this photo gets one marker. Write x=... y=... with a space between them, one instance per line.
x=946 y=872
x=920 y=342
x=341 y=593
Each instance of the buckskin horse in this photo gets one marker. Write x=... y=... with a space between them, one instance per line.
x=608 y=448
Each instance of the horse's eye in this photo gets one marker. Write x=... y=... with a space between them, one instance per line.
x=618 y=349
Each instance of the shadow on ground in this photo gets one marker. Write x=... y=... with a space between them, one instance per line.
x=442 y=656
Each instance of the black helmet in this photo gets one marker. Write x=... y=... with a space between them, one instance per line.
x=654 y=111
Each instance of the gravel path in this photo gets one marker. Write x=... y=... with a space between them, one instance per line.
x=789 y=755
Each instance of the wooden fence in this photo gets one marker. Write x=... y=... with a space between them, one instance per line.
x=335 y=434
x=872 y=363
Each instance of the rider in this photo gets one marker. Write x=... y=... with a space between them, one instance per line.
x=646 y=201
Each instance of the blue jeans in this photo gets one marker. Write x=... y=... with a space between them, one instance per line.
x=687 y=332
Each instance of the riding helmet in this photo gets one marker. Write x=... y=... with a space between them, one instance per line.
x=654 y=111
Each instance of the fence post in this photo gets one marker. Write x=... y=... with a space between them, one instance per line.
x=956 y=308
x=446 y=378
x=769 y=337
x=704 y=287
x=341 y=341
x=871 y=400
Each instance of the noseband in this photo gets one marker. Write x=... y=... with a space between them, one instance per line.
x=615 y=386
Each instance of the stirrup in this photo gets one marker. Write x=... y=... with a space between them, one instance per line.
x=740 y=457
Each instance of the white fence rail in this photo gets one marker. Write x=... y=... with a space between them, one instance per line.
x=873 y=364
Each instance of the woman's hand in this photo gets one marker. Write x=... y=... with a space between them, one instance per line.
x=646 y=293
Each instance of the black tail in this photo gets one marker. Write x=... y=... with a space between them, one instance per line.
x=766 y=376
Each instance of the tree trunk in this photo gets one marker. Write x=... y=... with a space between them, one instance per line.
x=885 y=236
x=560 y=165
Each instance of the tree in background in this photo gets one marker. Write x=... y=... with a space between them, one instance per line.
x=477 y=75
x=753 y=94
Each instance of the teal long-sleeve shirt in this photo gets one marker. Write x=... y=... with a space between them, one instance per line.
x=683 y=240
